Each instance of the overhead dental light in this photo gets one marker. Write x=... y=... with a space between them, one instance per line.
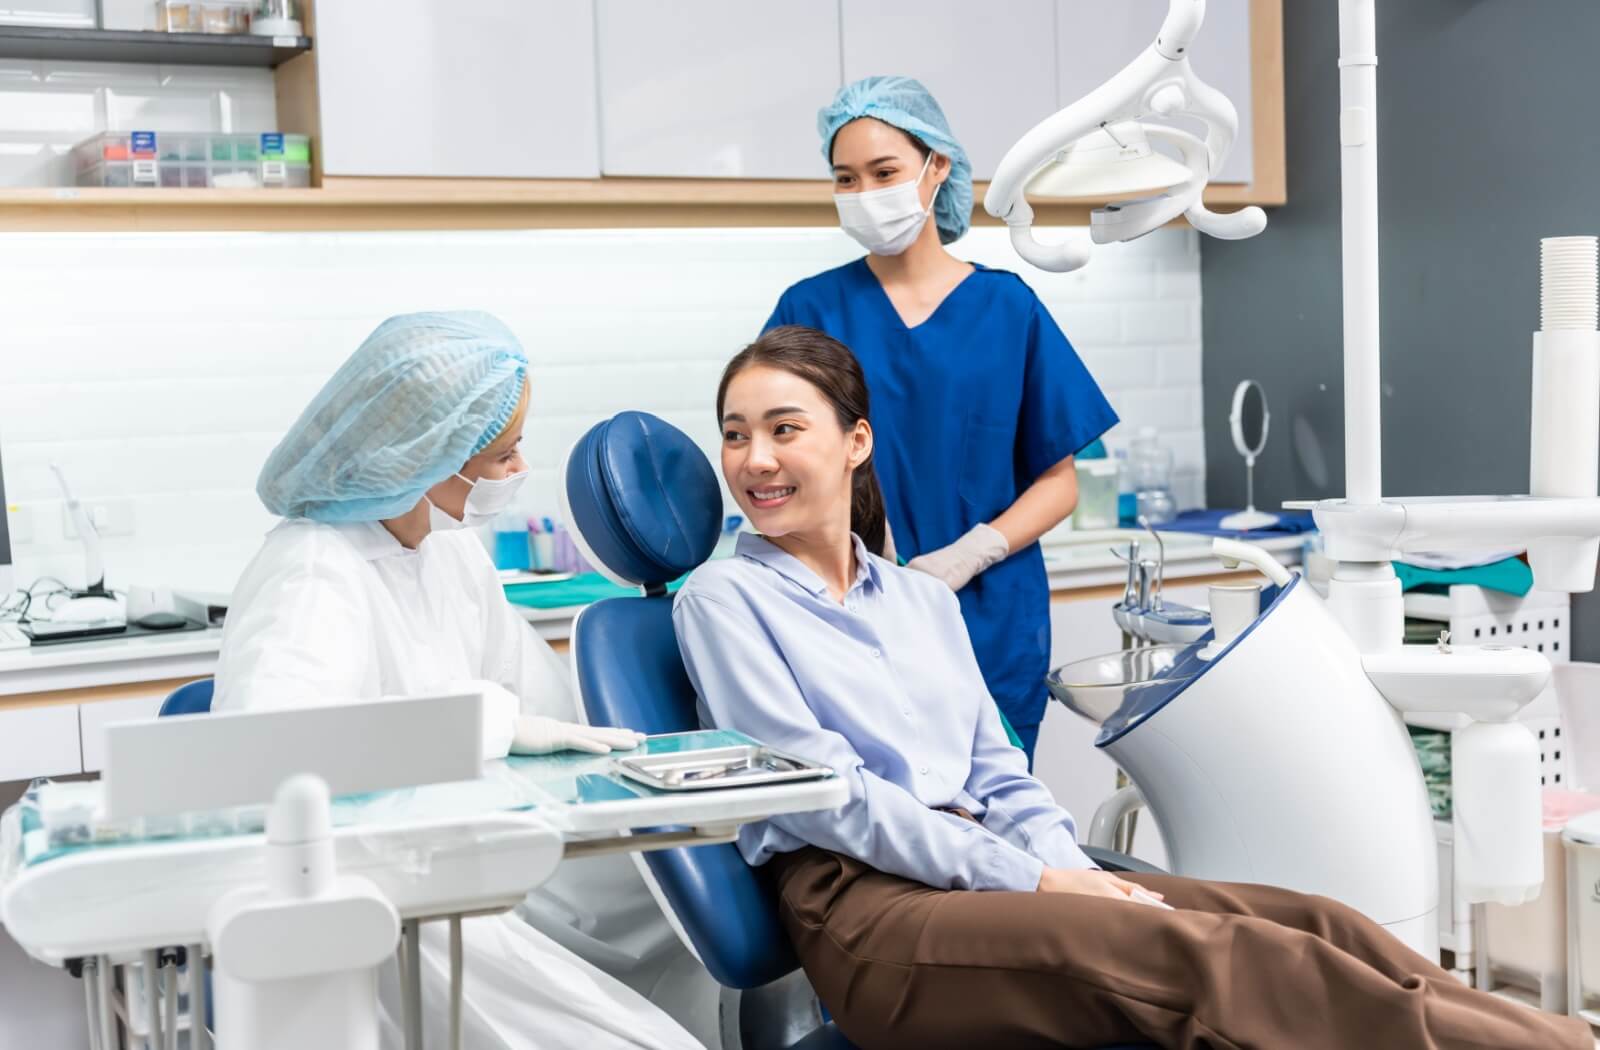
x=1069 y=154
x=1112 y=160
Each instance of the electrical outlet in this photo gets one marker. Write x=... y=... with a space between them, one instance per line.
x=111 y=517
x=19 y=523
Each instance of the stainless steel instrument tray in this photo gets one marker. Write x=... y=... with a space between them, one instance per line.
x=720 y=767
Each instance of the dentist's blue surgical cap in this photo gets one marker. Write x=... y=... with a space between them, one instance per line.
x=424 y=394
x=907 y=105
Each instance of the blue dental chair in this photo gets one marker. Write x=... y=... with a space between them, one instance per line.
x=646 y=508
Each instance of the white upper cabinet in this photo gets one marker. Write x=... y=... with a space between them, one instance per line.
x=715 y=88
x=1099 y=38
x=991 y=67
x=463 y=88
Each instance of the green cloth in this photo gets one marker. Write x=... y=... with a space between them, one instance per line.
x=1011 y=734
x=583 y=589
x=1433 y=755
x=1510 y=575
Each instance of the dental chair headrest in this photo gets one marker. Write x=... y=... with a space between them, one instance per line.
x=642 y=501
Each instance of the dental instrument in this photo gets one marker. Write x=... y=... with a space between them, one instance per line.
x=1098 y=146
x=1143 y=614
x=94 y=609
x=1249 y=421
x=1284 y=758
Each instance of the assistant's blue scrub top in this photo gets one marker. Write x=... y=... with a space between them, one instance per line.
x=968 y=409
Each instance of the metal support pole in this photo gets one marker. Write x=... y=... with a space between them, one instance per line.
x=91 y=995
x=411 y=983
x=456 y=976
x=106 y=978
x=199 y=998
x=152 y=1000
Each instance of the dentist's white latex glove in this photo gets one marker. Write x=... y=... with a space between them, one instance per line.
x=540 y=735
x=980 y=547
x=507 y=730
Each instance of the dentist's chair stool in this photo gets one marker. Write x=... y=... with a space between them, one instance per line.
x=645 y=508
x=194 y=698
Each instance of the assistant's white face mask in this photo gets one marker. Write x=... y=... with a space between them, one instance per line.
x=886 y=221
x=489 y=496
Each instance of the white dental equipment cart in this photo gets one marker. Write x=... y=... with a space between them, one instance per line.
x=435 y=852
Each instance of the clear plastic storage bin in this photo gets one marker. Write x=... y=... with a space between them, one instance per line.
x=204 y=16
x=270 y=160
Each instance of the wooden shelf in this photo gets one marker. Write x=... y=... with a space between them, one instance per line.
x=343 y=203
x=365 y=204
x=179 y=49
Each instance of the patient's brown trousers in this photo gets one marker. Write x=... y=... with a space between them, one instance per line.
x=901 y=966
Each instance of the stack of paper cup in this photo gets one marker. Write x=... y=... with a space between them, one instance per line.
x=1569 y=284
x=1564 y=450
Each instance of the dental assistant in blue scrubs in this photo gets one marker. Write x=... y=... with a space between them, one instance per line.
x=979 y=403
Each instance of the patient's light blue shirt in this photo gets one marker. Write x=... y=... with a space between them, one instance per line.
x=886 y=690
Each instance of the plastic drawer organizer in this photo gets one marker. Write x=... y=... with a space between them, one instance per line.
x=270 y=160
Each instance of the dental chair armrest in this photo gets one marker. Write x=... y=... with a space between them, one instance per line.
x=1111 y=860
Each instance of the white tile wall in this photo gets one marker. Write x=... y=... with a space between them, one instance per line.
x=160 y=369
x=48 y=107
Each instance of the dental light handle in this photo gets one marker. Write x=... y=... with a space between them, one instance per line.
x=1233 y=553
x=1071 y=254
x=1234 y=226
x=94 y=567
x=1184 y=18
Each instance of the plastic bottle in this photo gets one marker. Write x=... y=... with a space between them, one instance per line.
x=1127 y=499
x=511 y=542
x=1152 y=478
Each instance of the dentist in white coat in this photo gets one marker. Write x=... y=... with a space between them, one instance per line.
x=374 y=586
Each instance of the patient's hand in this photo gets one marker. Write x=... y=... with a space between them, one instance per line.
x=1090 y=882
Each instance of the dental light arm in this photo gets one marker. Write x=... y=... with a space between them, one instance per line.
x=1159 y=82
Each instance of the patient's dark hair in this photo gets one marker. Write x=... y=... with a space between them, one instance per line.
x=828 y=365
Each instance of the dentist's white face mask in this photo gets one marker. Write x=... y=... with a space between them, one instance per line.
x=886 y=221
x=489 y=496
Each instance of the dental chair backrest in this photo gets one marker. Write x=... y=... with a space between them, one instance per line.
x=646 y=508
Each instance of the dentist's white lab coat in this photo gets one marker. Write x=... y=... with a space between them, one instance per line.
x=330 y=612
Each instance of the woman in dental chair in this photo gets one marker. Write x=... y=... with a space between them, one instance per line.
x=947 y=904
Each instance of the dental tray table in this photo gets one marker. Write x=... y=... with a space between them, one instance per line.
x=717 y=768
x=73 y=888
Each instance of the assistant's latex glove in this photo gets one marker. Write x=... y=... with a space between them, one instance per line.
x=980 y=547
x=539 y=735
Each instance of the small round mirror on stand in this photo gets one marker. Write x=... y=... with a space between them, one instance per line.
x=1249 y=419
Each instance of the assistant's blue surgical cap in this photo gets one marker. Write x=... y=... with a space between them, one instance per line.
x=424 y=394
x=907 y=105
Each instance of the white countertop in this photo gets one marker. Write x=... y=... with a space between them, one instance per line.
x=109 y=661
x=110 y=650
x=1085 y=560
